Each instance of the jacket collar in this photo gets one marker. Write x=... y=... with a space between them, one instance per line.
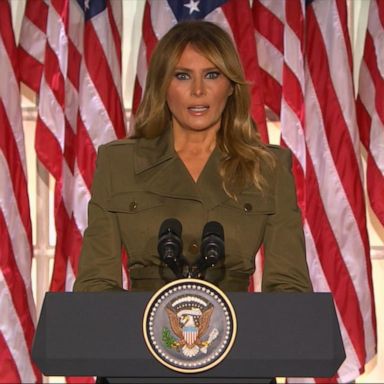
x=152 y=152
x=170 y=177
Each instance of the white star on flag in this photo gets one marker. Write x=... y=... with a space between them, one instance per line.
x=193 y=6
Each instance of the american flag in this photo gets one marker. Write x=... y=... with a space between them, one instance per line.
x=318 y=123
x=234 y=16
x=17 y=308
x=71 y=53
x=370 y=106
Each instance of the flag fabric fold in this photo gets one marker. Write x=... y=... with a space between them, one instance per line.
x=17 y=307
x=269 y=20
x=32 y=43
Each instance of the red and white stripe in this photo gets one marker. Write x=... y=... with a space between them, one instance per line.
x=32 y=43
x=234 y=16
x=370 y=106
x=269 y=19
x=17 y=308
x=319 y=126
x=80 y=107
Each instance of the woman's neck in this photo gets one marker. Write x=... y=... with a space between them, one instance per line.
x=194 y=143
x=194 y=150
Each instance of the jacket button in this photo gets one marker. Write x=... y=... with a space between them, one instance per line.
x=194 y=247
x=132 y=206
x=247 y=207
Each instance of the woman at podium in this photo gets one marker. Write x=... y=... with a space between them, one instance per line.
x=196 y=157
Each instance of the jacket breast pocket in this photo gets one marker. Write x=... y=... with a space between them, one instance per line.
x=139 y=215
x=244 y=224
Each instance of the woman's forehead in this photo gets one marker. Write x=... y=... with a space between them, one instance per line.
x=192 y=56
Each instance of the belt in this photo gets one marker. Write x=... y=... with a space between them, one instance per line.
x=151 y=278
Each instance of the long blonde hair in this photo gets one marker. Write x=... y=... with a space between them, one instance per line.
x=244 y=155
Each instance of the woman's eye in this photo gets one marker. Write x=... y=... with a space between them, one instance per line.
x=182 y=76
x=212 y=75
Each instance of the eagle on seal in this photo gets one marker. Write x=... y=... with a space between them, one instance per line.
x=190 y=325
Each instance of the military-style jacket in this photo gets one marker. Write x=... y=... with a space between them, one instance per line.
x=139 y=183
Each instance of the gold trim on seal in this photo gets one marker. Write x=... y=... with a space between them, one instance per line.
x=200 y=288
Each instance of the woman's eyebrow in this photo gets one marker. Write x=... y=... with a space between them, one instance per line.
x=192 y=69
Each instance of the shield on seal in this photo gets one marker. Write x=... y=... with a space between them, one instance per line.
x=190 y=334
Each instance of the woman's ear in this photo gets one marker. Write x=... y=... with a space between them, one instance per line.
x=231 y=89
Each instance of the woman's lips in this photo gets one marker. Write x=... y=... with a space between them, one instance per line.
x=198 y=108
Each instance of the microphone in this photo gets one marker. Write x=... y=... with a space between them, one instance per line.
x=170 y=245
x=212 y=243
x=212 y=248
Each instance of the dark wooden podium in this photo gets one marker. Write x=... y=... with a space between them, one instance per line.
x=100 y=334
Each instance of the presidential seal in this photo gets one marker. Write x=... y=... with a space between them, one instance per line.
x=189 y=325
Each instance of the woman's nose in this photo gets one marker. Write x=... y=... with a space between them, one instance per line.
x=198 y=87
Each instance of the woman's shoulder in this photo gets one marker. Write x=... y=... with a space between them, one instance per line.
x=283 y=155
x=114 y=144
x=132 y=143
x=123 y=147
x=115 y=151
x=140 y=151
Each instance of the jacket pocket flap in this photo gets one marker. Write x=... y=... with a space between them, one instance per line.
x=254 y=203
x=133 y=202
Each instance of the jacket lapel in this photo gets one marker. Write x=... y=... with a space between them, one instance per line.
x=159 y=167
x=163 y=172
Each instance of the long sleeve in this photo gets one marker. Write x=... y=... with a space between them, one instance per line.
x=100 y=259
x=285 y=267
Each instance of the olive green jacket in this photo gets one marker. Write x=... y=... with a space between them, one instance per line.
x=139 y=183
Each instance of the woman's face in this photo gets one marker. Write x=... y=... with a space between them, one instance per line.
x=197 y=93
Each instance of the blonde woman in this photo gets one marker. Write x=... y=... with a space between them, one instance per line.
x=196 y=157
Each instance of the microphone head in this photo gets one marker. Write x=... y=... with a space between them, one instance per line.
x=170 y=245
x=170 y=225
x=212 y=245
x=213 y=228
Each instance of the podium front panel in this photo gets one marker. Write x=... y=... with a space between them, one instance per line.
x=100 y=334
